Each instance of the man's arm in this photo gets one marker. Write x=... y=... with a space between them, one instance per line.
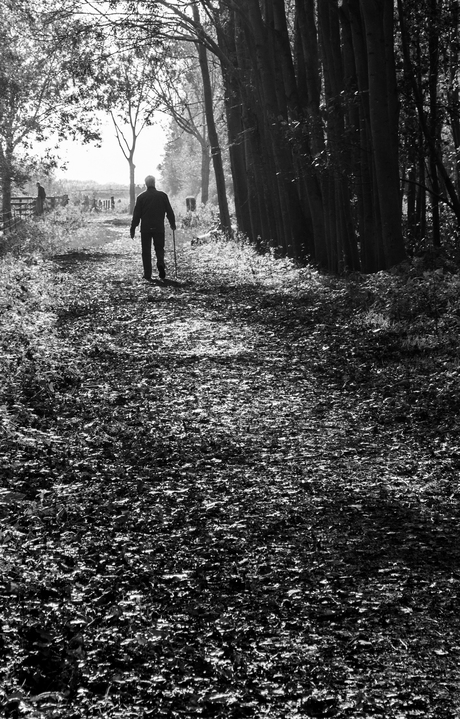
x=170 y=214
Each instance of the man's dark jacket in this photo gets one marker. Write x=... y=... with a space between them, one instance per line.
x=150 y=210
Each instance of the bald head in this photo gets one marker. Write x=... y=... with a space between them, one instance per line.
x=150 y=181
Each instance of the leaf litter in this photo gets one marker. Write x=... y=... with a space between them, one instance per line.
x=227 y=496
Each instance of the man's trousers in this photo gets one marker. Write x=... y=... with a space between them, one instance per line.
x=159 y=244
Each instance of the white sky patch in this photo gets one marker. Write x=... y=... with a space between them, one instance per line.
x=107 y=164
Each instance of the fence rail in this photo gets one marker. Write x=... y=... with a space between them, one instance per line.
x=8 y=221
x=23 y=206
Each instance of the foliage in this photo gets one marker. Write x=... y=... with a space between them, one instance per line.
x=181 y=96
x=429 y=119
x=43 y=87
x=59 y=229
x=180 y=168
x=231 y=495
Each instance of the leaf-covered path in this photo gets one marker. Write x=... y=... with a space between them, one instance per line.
x=236 y=500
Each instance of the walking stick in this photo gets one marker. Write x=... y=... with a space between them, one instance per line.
x=174 y=245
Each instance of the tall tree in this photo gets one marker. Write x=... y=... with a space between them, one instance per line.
x=44 y=87
x=211 y=125
x=179 y=88
x=126 y=92
x=383 y=120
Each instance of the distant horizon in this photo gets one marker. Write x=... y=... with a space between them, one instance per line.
x=98 y=183
x=57 y=185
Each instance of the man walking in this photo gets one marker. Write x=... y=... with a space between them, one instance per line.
x=41 y=196
x=150 y=210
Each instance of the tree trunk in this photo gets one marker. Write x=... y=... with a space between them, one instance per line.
x=233 y=100
x=6 y=162
x=433 y=48
x=296 y=143
x=132 y=183
x=212 y=132
x=338 y=156
x=237 y=159
x=6 y=202
x=267 y=112
x=369 y=228
x=421 y=204
x=382 y=122
x=6 y=198
x=260 y=176
x=453 y=94
x=310 y=102
x=205 y=172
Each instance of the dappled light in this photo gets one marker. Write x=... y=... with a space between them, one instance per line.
x=233 y=494
x=230 y=488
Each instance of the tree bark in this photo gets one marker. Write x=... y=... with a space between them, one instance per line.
x=453 y=93
x=233 y=101
x=433 y=49
x=6 y=163
x=382 y=122
x=310 y=102
x=338 y=157
x=132 y=183
x=369 y=227
x=205 y=167
x=212 y=132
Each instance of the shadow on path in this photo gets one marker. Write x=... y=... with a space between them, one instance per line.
x=167 y=283
x=84 y=256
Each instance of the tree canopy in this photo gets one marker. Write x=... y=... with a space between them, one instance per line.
x=45 y=84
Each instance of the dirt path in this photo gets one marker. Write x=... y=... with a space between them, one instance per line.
x=225 y=518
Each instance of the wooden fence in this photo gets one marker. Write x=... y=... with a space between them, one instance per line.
x=26 y=206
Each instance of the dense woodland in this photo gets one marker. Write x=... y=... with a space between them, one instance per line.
x=339 y=118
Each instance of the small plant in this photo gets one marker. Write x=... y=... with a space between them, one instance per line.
x=376 y=320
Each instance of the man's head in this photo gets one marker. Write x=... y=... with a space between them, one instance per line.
x=150 y=181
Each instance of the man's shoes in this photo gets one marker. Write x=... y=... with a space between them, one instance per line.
x=149 y=279
x=162 y=272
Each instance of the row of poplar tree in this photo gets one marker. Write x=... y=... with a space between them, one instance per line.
x=344 y=124
x=342 y=117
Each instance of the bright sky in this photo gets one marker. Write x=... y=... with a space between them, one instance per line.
x=107 y=164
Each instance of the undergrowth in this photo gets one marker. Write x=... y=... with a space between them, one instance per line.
x=414 y=301
x=418 y=308
x=231 y=495
x=47 y=234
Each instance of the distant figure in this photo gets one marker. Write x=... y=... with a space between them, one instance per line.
x=150 y=210
x=112 y=202
x=41 y=196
